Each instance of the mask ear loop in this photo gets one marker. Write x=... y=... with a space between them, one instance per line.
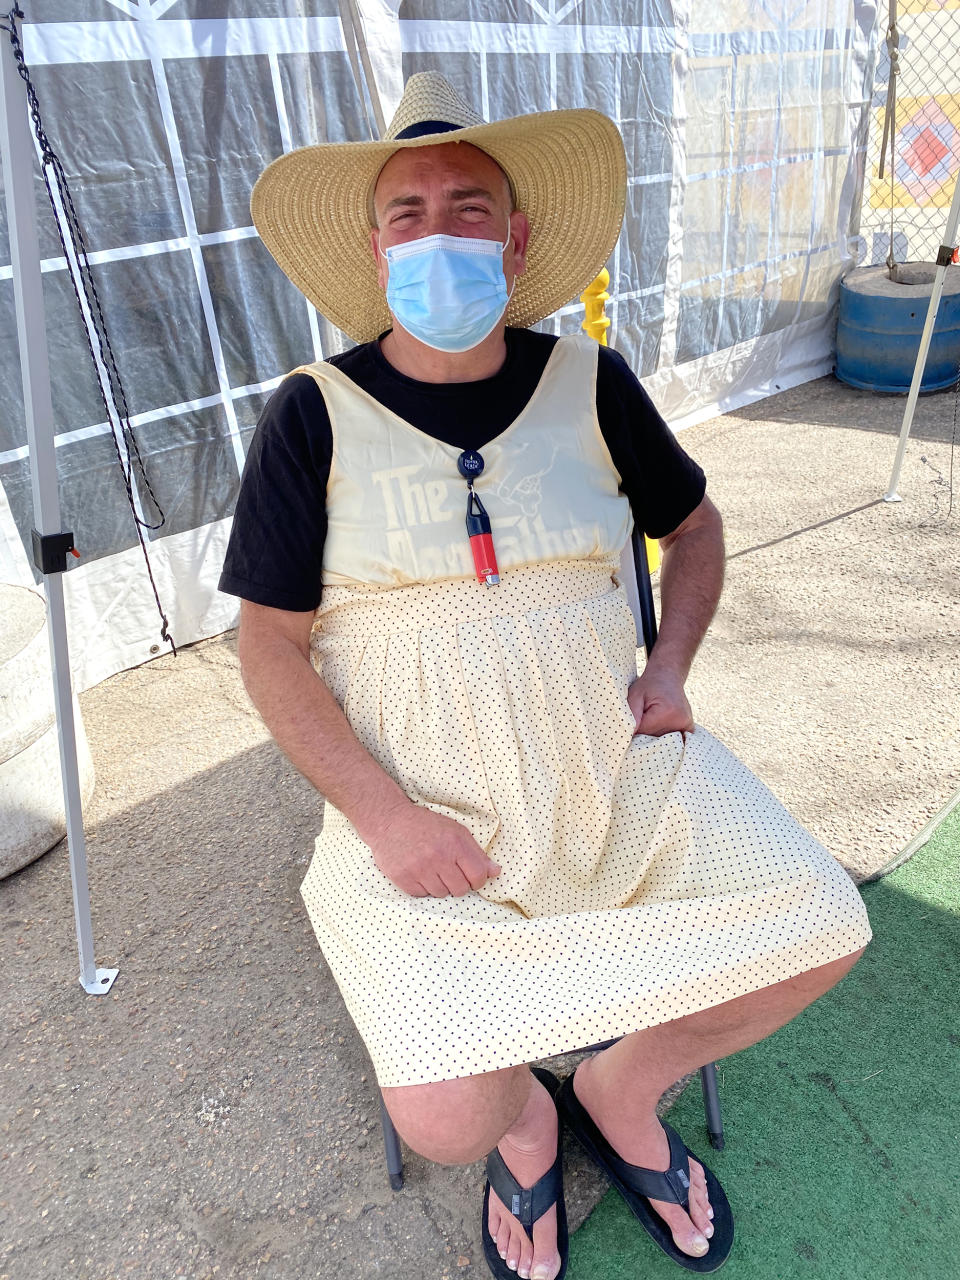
x=503 y=250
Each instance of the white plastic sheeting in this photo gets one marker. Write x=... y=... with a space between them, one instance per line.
x=744 y=124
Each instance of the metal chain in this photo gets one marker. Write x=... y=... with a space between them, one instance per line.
x=112 y=394
x=890 y=122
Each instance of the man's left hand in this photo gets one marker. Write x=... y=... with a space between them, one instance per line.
x=659 y=704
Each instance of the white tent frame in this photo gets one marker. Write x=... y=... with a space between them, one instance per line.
x=18 y=168
x=945 y=257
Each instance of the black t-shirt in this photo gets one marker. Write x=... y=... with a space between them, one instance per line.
x=275 y=553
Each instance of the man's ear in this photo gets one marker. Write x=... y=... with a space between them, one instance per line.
x=520 y=235
x=377 y=257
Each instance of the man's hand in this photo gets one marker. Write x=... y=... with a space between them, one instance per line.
x=427 y=854
x=690 y=582
x=422 y=852
x=659 y=704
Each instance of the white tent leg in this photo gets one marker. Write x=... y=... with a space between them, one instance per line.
x=18 y=169
x=944 y=258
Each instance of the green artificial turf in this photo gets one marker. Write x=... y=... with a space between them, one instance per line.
x=843 y=1129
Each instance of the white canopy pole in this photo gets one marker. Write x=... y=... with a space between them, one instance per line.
x=944 y=258
x=18 y=168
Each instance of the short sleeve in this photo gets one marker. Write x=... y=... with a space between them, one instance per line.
x=662 y=482
x=275 y=553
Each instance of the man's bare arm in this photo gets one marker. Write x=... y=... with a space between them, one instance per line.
x=691 y=578
x=421 y=851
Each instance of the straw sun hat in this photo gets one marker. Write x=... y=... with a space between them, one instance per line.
x=313 y=207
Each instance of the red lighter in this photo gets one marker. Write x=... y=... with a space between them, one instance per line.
x=481 y=541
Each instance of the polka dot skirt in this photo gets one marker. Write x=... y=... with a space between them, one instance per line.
x=641 y=878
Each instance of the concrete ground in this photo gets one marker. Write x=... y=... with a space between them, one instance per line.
x=215 y=1115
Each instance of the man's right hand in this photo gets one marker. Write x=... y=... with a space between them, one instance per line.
x=427 y=854
x=424 y=853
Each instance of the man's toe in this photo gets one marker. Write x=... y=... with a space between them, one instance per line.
x=687 y=1237
x=493 y=1218
x=526 y=1258
x=699 y=1210
x=545 y=1268
x=503 y=1237
x=513 y=1247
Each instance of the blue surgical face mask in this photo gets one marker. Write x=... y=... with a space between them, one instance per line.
x=448 y=291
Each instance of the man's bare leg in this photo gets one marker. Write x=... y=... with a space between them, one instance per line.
x=459 y=1121
x=621 y=1086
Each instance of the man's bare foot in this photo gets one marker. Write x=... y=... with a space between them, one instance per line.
x=528 y=1151
x=646 y=1144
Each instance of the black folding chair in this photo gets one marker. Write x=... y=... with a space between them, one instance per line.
x=648 y=629
x=634 y=552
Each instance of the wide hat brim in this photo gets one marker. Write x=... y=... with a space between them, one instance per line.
x=313 y=211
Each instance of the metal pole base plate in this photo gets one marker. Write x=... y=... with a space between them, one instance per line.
x=102 y=984
x=892 y=497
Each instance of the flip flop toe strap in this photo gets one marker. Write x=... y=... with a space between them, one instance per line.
x=527 y=1204
x=672 y=1185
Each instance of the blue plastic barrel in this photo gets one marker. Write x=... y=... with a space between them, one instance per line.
x=881 y=320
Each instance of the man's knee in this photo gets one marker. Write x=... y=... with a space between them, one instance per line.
x=823 y=978
x=846 y=963
x=458 y=1121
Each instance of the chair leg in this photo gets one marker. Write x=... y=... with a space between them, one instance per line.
x=391 y=1145
x=711 y=1105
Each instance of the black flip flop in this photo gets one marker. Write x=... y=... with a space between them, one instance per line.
x=527 y=1204
x=637 y=1185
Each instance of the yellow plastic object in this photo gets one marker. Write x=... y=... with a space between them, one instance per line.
x=596 y=324
x=594 y=299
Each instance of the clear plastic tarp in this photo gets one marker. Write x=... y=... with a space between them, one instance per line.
x=744 y=122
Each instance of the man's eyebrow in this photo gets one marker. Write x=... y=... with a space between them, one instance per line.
x=467 y=193
x=458 y=193
x=402 y=201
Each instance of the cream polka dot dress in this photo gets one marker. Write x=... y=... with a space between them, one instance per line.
x=641 y=878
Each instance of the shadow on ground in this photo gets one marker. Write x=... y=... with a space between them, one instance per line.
x=828 y=402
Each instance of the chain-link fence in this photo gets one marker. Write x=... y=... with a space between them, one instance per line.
x=906 y=209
